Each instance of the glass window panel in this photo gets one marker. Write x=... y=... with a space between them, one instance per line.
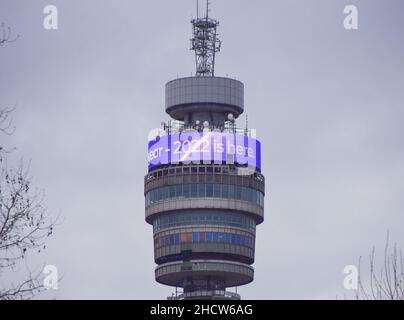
x=238 y=192
x=217 y=190
x=225 y=191
x=178 y=191
x=209 y=190
x=172 y=191
x=250 y=194
x=194 y=190
x=231 y=192
x=243 y=194
x=183 y=237
x=189 y=237
x=201 y=190
x=215 y=236
x=185 y=190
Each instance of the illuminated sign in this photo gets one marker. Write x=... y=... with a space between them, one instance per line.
x=197 y=147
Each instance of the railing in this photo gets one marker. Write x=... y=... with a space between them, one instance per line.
x=214 y=294
x=195 y=170
x=174 y=127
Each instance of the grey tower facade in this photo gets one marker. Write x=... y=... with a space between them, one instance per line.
x=204 y=204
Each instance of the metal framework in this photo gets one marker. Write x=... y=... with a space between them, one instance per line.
x=205 y=43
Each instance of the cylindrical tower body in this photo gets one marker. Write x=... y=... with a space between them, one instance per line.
x=204 y=190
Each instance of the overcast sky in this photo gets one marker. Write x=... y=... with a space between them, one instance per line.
x=327 y=104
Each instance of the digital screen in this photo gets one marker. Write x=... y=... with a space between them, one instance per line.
x=199 y=148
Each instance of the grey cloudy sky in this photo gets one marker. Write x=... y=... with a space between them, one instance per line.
x=327 y=104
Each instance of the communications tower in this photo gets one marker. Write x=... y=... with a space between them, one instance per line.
x=204 y=190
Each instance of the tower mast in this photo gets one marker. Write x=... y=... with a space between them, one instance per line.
x=205 y=43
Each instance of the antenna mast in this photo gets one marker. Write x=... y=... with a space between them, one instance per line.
x=205 y=43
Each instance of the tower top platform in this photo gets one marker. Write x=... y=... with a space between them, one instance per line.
x=215 y=95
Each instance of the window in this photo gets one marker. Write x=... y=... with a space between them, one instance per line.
x=165 y=193
x=147 y=199
x=178 y=191
x=225 y=191
x=217 y=190
x=172 y=191
x=195 y=237
x=201 y=191
x=231 y=192
x=183 y=238
x=209 y=190
x=194 y=190
x=238 y=192
x=205 y=218
x=186 y=190
x=215 y=237
x=244 y=194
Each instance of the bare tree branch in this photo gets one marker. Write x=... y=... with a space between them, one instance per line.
x=24 y=223
x=5 y=35
x=388 y=282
